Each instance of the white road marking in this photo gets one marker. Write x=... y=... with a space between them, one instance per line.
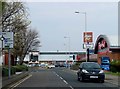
x=56 y=74
x=19 y=82
x=71 y=87
x=61 y=78
x=64 y=80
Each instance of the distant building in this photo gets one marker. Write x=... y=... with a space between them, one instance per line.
x=34 y=57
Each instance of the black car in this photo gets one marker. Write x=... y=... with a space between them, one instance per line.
x=90 y=71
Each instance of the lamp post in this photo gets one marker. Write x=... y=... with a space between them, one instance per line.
x=77 y=12
x=69 y=45
x=65 y=54
x=87 y=49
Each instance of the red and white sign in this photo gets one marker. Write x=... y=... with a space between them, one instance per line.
x=88 y=37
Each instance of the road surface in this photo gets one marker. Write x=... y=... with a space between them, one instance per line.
x=58 y=78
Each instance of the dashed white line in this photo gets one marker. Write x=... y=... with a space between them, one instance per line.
x=63 y=80
x=56 y=74
x=71 y=87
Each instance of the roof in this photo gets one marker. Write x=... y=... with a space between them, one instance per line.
x=115 y=48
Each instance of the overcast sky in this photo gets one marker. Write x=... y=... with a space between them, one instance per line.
x=54 y=20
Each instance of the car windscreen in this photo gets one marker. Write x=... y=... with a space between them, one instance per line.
x=105 y=63
x=91 y=66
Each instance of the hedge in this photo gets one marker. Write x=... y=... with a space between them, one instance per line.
x=75 y=66
x=17 y=68
x=115 y=66
x=20 y=68
x=5 y=71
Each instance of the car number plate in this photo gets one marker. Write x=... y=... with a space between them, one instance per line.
x=93 y=76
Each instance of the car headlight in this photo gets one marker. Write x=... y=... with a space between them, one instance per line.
x=101 y=71
x=85 y=71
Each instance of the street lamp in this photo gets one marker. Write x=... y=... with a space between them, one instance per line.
x=77 y=12
x=87 y=50
x=69 y=45
x=65 y=53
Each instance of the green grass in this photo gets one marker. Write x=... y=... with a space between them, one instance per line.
x=116 y=74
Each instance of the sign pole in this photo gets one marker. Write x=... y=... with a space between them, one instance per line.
x=2 y=51
x=9 y=63
x=87 y=54
x=88 y=39
x=7 y=42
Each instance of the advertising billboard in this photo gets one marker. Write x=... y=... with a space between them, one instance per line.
x=87 y=37
x=102 y=45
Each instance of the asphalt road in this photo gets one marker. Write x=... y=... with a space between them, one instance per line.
x=57 y=78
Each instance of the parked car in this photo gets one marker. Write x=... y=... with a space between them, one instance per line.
x=51 y=66
x=43 y=65
x=90 y=71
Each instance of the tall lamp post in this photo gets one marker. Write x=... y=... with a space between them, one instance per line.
x=87 y=49
x=77 y=12
x=69 y=45
x=65 y=53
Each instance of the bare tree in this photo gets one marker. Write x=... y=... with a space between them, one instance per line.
x=15 y=18
x=31 y=42
x=13 y=12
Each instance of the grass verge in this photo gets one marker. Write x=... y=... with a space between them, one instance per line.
x=112 y=73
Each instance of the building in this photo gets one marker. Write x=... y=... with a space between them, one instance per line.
x=103 y=49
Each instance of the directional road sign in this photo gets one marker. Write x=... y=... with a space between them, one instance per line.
x=8 y=39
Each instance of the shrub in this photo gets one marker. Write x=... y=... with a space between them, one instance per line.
x=14 y=69
x=20 y=68
x=115 y=65
x=5 y=71
x=75 y=66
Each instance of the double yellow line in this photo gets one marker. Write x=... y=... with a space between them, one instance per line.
x=19 y=82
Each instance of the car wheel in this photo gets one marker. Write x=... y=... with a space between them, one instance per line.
x=78 y=78
x=102 y=81
x=81 y=79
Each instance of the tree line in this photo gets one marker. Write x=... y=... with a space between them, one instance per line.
x=14 y=18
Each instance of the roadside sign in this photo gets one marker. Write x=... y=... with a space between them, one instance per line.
x=8 y=39
x=90 y=46
x=87 y=37
x=91 y=51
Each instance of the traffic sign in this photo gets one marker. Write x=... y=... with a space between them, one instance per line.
x=8 y=39
x=90 y=46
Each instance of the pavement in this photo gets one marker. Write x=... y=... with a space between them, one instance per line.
x=0 y=82
x=112 y=79
x=0 y=77
x=13 y=78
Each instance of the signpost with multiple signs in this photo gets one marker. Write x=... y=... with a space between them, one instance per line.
x=6 y=39
x=87 y=42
